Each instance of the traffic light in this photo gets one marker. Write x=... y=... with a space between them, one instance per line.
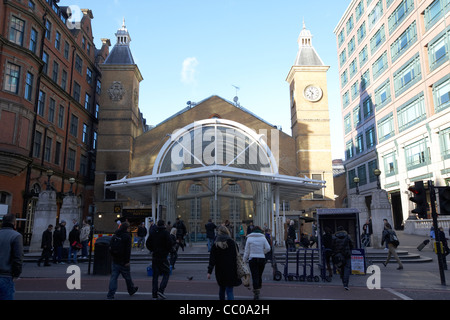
x=444 y=200
x=420 y=199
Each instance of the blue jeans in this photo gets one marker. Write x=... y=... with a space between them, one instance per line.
x=345 y=271
x=228 y=290
x=116 y=270
x=210 y=243
x=160 y=266
x=74 y=252
x=7 y=288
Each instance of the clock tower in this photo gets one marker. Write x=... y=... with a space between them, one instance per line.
x=310 y=121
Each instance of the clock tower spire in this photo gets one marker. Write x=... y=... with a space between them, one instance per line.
x=310 y=120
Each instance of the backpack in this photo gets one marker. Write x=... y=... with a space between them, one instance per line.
x=115 y=246
x=393 y=239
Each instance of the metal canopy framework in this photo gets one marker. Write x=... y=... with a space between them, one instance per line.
x=217 y=150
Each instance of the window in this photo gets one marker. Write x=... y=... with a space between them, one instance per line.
x=48 y=29
x=367 y=107
x=341 y=37
x=78 y=64
x=31 y=5
x=444 y=140
x=83 y=165
x=407 y=75
x=365 y=80
x=380 y=65
x=370 y=138
x=355 y=90
x=16 y=30
x=359 y=10
x=383 y=95
x=37 y=144
x=99 y=87
x=441 y=94
x=58 y=41
x=362 y=175
x=97 y=109
x=12 y=78
x=61 y=117
x=435 y=11
x=356 y=116
x=45 y=59
x=347 y=123
x=87 y=102
x=351 y=46
x=351 y=177
x=372 y=165
x=350 y=25
x=386 y=128
x=71 y=156
x=57 y=152
x=48 y=149
x=377 y=40
x=345 y=99
x=353 y=68
x=359 y=146
x=376 y=14
x=390 y=164
x=55 y=71
x=89 y=75
x=76 y=91
x=64 y=80
x=66 y=50
x=343 y=57
x=416 y=154
x=344 y=78
x=74 y=125
x=363 y=56
x=361 y=32
x=411 y=112
x=438 y=50
x=33 y=40
x=94 y=141
x=41 y=103
x=85 y=137
x=399 y=14
x=349 y=150
x=29 y=86
x=404 y=41
x=51 y=110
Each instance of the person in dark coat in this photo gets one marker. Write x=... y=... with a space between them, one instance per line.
x=181 y=232
x=46 y=246
x=57 y=245
x=327 y=242
x=291 y=235
x=223 y=258
x=160 y=244
x=121 y=263
x=74 y=239
x=210 y=233
x=342 y=254
x=141 y=233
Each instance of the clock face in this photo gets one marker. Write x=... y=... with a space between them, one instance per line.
x=313 y=93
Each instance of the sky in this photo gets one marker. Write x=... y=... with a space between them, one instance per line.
x=190 y=50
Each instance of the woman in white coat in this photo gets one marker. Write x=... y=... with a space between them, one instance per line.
x=256 y=248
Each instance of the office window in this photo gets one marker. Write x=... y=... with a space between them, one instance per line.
x=347 y=123
x=71 y=157
x=367 y=107
x=411 y=112
x=351 y=175
x=365 y=80
x=64 y=80
x=29 y=86
x=361 y=32
x=362 y=175
x=61 y=117
x=48 y=29
x=74 y=125
x=85 y=137
x=33 y=40
x=350 y=24
x=444 y=141
x=57 y=152
x=342 y=57
x=383 y=95
x=78 y=64
x=41 y=103
x=48 y=149
x=359 y=10
x=87 y=102
x=45 y=59
x=37 y=144
x=344 y=78
x=435 y=11
x=99 y=87
x=89 y=75
x=351 y=46
x=55 y=71
x=375 y=14
x=58 y=40
x=377 y=40
x=12 y=78
x=16 y=30
x=94 y=141
x=380 y=65
x=363 y=56
x=404 y=41
x=349 y=150
x=407 y=75
x=370 y=138
x=355 y=90
x=399 y=14
x=386 y=128
x=97 y=109
x=51 y=110
x=371 y=166
x=76 y=91
x=356 y=116
x=438 y=50
x=353 y=68
x=345 y=99
x=441 y=94
x=341 y=37
x=390 y=164
x=359 y=146
x=416 y=154
x=66 y=50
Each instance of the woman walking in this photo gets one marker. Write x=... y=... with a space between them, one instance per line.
x=223 y=257
x=256 y=248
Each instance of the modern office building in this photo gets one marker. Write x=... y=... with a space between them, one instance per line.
x=49 y=90
x=395 y=88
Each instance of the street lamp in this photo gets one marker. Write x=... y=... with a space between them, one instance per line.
x=49 y=174
x=71 y=181
x=377 y=173
x=356 y=181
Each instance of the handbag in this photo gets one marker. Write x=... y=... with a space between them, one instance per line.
x=77 y=245
x=243 y=271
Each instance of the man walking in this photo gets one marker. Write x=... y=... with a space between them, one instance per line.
x=342 y=254
x=11 y=256
x=390 y=237
x=120 y=249
x=46 y=246
x=160 y=244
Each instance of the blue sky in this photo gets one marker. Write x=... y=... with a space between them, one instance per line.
x=191 y=50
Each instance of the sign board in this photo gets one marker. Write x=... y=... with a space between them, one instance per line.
x=358 y=261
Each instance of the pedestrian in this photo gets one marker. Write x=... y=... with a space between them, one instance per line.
x=342 y=252
x=141 y=233
x=11 y=256
x=121 y=255
x=181 y=232
x=46 y=246
x=367 y=233
x=256 y=248
x=74 y=243
x=445 y=248
x=175 y=246
x=268 y=235
x=327 y=242
x=160 y=244
x=84 y=238
x=57 y=245
x=223 y=257
x=390 y=237
x=291 y=236
x=210 y=233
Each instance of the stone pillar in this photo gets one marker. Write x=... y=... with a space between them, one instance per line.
x=69 y=212
x=44 y=215
x=359 y=202
x=381 y=209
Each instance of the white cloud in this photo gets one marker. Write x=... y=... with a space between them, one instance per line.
x=189 y=71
